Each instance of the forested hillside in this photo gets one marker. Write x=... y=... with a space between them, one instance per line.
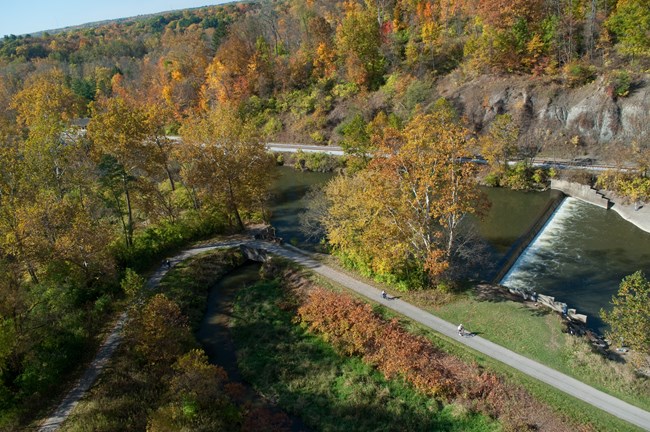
x=78 y=206
x=302 y=69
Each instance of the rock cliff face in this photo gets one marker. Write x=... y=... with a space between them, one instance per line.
x=587 y=119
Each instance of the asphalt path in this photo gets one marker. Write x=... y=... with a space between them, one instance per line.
x=565 y=383
x=560 y=381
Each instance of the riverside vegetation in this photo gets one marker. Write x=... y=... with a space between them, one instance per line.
x=161 y=379
x=79 y=205
x=320 y=383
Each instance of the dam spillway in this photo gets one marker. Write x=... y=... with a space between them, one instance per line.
x=580 y=257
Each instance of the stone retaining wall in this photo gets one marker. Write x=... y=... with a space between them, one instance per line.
x=582 y=192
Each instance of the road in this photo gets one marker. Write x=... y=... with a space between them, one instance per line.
x=562 y=382
x=561 y=164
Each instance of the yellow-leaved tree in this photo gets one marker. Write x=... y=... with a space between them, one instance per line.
x=224 y=161
x=500 y=143
x=407 y=208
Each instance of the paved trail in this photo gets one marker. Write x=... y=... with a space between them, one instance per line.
x=569 y=385
x=562 y=382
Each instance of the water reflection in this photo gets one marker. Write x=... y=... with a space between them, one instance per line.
x=580 y=258
x=287 y=202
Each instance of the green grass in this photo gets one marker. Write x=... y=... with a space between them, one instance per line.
x=571 y=408
x=504 y=315
x=537 y=334
x=328 y=391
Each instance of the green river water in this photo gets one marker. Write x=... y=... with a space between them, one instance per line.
x=579 y=257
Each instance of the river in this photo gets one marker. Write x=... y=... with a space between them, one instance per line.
x=580 y=257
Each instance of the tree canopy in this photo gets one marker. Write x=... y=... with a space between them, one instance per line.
x=629 y=319
x=406 y=208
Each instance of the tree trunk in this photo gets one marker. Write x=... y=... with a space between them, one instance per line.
x=170 y=177
x=28 y=264
x=233 y=205
x=129 y=225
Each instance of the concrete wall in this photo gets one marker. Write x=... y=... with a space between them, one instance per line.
x=582 y=192
x=522 y=242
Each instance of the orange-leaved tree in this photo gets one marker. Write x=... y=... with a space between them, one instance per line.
x=436 y=184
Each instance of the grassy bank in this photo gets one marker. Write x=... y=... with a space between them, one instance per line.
x=580 y=412
x=329 y=391
x=537 y=334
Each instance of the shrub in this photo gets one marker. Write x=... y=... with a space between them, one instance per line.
x=298 y=102
x=315 y=161
x=577 y=74
x=272 y=126
x=155 y=242
x=345 y=90
x=492 y=180
x=620 y=83
x=354 y=329
x=317 y=137
x=159 y=332
x=417 y=92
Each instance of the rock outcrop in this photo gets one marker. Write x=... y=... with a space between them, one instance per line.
x=590 y=116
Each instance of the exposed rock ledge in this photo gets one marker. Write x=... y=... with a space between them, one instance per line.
x=549 y=112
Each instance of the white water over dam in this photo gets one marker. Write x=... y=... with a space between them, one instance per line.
x=580 y=257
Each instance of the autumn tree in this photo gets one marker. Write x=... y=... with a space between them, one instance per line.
x=223 y=159
x=185 y=57
x=499 y=144
x=439 y=189
x=199 y=400
x=356 y=142
x=159 y=332
x=358 y=42
x=408 y=206
x=362 y=222
x=630 y=22
x=117 y=132
x=228 y=77
x=629 y=319
x=632 y=183
x=45 y=107
x=51 y=216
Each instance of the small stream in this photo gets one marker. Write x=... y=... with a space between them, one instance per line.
x=213 y=333
x=215 y=337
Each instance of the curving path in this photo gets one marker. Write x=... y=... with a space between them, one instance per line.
x=571 y=386
x=110 y=344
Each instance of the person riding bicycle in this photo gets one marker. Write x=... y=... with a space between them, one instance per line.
x=461 y=330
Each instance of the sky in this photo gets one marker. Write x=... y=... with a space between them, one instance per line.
x=30 y=16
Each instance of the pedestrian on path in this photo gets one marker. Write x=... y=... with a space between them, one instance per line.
x=461 y=330
x=383 y=294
